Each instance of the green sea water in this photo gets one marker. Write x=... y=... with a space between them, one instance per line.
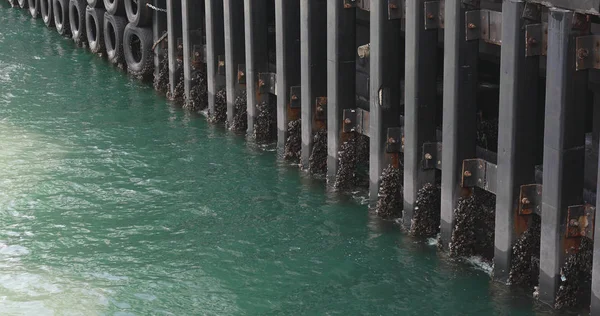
x=115 y=202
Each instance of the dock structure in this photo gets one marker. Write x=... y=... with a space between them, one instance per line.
x=487 y=110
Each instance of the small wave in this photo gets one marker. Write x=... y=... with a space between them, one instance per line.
x=480 y=264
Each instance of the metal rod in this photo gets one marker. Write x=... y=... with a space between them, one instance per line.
x=313 y=61
x=287 y=34
x=564 y=141
x=420 y=92
x=215 y=46
x=341 y=75
x=234 y=52
x=459 y=114
x=516 y=130
x=174 y=31
x=159 y=27
x=257 y=51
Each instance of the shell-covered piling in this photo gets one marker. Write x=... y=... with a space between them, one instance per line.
x=473 y=232
x=161 y=79
x=347 y=162
x=576 y=275
x=426 y=216
x=240 y=118
x=525 y=255
x=317 y=163
x=220 y=113
x=293 y=144
x=390 y=197
x=264 y=124
x=198 y=99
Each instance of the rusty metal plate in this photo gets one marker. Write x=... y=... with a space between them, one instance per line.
x=530 y=199
x=349 y=120
x=321 y=109
x=432 y=15
x=432 y=156
x=363 y=122
x=221 y=65
x=350 y=4
x=536 y=39
x=295 y=97
x=588 y=52
x=473 y=24
x=395 y=140
x=532 y=12
x=396 y=9
x=479 y=173
x=494 y=35
x=241 y=74
x=267 y=83
x=580 y=221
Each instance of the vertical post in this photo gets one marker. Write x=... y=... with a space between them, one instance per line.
x=257 y=60
x=384 y=94
x=191 y=20
x=595 y=301
x=159 y=26
x=215 y=46
x=564 y=141
x=313 y=20
x=234 y=51
x=341 y=75
x=287 y=29
x=174 y=32
x=459 y=114
x=516 y=130
x=420 y=91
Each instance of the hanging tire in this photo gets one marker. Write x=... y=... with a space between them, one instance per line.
x=94 y=26
x=77 y=20
x=138 y=13
x=95 y=3
x=137 y=46
x=34 y=8
x=114 y=26
x=23 y=4
x=115 y=7
x=60 y=9
x=46 y=11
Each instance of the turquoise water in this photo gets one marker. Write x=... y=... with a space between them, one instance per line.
x=114 y=202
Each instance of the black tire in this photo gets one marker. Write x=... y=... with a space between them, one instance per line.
x=95 y=3
x=46 y=11
x=137 y=46
x=115 y=7
x=138 y=13
x=114 y=27
x=94 y=26
x=77 y=20
x=23 y=4
x=34 y=8
x=60 y=9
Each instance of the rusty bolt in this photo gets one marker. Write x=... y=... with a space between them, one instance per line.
x=430 y=16
x=240 y=73
x=319 y=109
x=197 y=54
x=294 y=97
x=261 y=83
x=467 y=173
x=525 y=201
x=428 y=156
x=573 y=223
x=347 y=121
x=471 y=26
x=532 y=41
x=393 y=6
x=322 y=101
x=221 y=63
x=582 y=53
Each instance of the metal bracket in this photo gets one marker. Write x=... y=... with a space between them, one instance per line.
x=432 y=156
x=536 y=39
x=396 y=9
x=356 y=120
x=588 y=52
x=221 y=65
x=485 y=25
x=395 y=140
x=580 y=221
x=267 y=83
x=532 y=12
x=479 y=173
x=241 y=74
x=434 y=14
x=198 y=54
x=361 y=4
x=295 y=97
x=321 y=109
x=530 y=199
